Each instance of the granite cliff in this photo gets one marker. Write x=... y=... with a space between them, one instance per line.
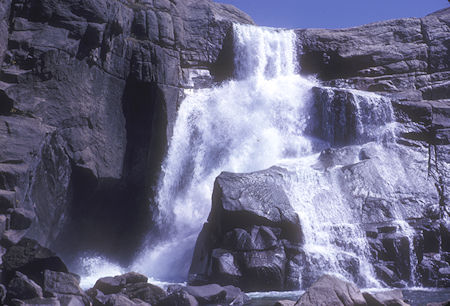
x=89 y=92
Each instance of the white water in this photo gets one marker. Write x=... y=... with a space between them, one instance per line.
x=261 y=118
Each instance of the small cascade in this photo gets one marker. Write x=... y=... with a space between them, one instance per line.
x=267 y=115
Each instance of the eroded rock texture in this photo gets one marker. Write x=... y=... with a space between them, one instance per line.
x=88 y=96
x=252 y=235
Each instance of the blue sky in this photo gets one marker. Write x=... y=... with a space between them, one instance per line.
x=332 y=13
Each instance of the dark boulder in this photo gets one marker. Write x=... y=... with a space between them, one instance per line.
x=256 y=199
x=31 y=259
x=7 y=200
x=110 y=285
x=179 y=298
x=21 y=287
x=131 y=285
x=144 y=291
x=207 y=294
x=215 y=294
x=115 y=300
x=21 y=219
x=251 y=236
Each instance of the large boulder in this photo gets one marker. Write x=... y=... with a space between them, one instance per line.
x=132 y=286
x=243 y=242
x=20 y=286
x=330 y=290
x=31 y=259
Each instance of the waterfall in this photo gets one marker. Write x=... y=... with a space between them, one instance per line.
x=268 y=114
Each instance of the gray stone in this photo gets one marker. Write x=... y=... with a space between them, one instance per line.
x=241 y=245
x=37 y=302
x=207 y=294
x=110 y=285
x=61 y=283
x=330 y=290
x=179 y=297
x=22 y=287
x=392 y=297
x=143 y=291
x=21 y=219
x=258 y=197
x=30 y=258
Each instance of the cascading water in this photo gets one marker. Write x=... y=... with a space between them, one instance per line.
x=267 y=115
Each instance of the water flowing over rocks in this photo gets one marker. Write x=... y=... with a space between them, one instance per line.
x=92 y=91
x=385 y=180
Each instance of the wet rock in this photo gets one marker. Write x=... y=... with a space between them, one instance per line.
x=234 y=296
x=386 y=275
x=31 y=259
x=7 y=200
x=284 y=303
x=392 y=297
x=256 y=198
x=62 y=283
x=133 y=277
x=114 y=300
x=110 y=285
x=11 y=237
x=21 y=287
x=146 y=292
x=21 y=219
x=179 y=297
x=207 y=294
x=330 y=290
x=243 y=243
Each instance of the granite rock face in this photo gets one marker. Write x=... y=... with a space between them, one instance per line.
x=88 y=96
x=252 y=235
x=89 y=92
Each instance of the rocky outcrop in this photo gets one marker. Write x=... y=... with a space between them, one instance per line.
x=88 y=95
x=252 y=236
x=393 y=71
x=406 y=58
x=34 y=275
x=132 y=289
